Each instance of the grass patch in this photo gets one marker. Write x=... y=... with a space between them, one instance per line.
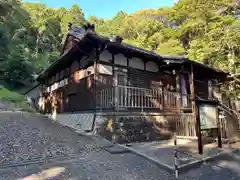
x=14 y=99
x=6 y=95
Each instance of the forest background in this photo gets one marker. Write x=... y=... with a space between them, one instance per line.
x=32 y=34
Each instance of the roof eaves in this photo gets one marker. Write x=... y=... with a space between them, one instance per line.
x=174 y=57
x=208 y=67
x=76 y=32
x=108 y=41
x=54 y=63
x=80 y=33
x=187 y=61
x=31 y=89
x=140 y=50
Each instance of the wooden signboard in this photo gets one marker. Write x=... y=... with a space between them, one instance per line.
x=208 y=116
x=206 y=119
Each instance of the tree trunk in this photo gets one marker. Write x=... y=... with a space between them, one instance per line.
x=37 y=46
x=37 y=43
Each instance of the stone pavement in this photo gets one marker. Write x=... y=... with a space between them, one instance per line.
x=32 y=147
x=161 y=153
x=104 y=166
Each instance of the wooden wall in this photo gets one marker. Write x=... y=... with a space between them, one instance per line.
x=74 y=97
x=201 y=89
x=80 y=95
x=201 y=85
x=146 y=79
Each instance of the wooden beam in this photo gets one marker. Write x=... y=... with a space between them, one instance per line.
x=196 y=117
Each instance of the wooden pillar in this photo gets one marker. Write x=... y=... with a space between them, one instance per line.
x=198 y=132
x=178 y=89
x=178 y=85
x=195 y=111
x=219 y=134
x=114 y=123
x=95 y=77
x=216 y=91
x=114 y=82
x=128 y=74
x=162 y=95
x=210 y=90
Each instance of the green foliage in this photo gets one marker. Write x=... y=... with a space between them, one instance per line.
x=73 y=15
x=6 y=95
x=32 y=35
x=14 y=100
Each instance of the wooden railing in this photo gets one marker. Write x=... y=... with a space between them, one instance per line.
x=185 y=126
x=134 y=97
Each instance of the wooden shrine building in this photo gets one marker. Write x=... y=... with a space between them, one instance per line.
x=104 y=85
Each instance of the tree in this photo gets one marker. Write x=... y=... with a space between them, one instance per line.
x=45 y=26
x=73 y=15
x=33 y=34
x=15 y=38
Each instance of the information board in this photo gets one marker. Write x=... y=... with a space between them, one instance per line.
x=208 y=116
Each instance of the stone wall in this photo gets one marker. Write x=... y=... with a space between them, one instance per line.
x=122 y=129
x=139 y=128
x=81 y=121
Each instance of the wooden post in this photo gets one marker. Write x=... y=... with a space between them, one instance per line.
x=210 y=90
x=162 y=95
x=219 y=129
x=114 y=138
x=175 y=156
x=95 y=76
x=178 y=89
x=198 y=132
x=195 y=112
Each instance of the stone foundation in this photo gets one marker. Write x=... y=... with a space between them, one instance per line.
x=126 y=129
x=81 y=121
x=120 y=128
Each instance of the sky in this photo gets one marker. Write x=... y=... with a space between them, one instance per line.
x=106 y=8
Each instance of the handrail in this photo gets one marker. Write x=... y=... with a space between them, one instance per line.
x=137 y=97
x=222 y=106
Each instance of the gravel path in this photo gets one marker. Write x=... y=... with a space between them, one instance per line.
x=25 y=137
x=103 y=166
